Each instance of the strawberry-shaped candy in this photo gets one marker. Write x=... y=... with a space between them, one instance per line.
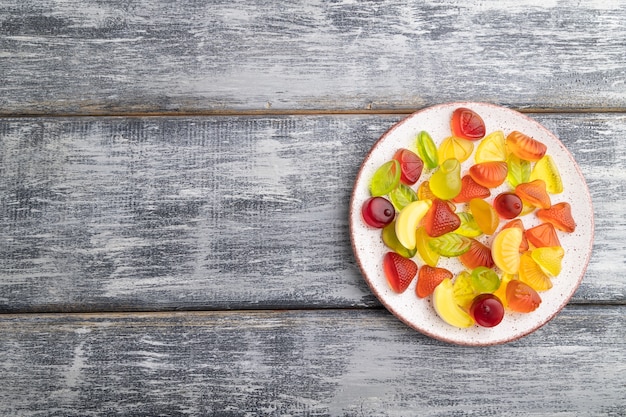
x=428 y=278
x=531 y=274
x=525 y=147
x=545 y=169
x=534 y=193
x=399 y=271
x=411 y=166
x=492 y=148
x=457 y=148
x=485 y=215
x=471 y=189
x=489 y=174
x=467 y=124
x=521 y=297
x=477 y=255
x=543 y=236
x=440 y=219
x=523 y=247
x=560 y=215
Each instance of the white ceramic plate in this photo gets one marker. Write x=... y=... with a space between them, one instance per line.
x=419 y=313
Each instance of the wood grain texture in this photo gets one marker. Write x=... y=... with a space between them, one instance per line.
x=120 y=214
x=119 y=56
x=308 y=363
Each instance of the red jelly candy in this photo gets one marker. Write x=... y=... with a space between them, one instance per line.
x=411 y=166
x=508 y=205
x=378 y=212
x=471 y=189
x=467 y=124
x=399 y=271
x=428 y=278
x=440 y=219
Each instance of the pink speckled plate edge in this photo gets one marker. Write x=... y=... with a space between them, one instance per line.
x=419 y=313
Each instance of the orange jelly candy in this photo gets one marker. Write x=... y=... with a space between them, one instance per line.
x=467 y=124
x=525 y=147
x=543 y=236
x=477 y=255
x=489 y=174
x=560 y=216
x=534 y=193
x=471 y=189
x=521 y=297
x=485 y=215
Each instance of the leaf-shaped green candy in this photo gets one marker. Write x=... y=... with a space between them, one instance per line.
x=519 y=171
x=468 y=227
x=450 y=244
x=402 y=195
x=427 y=150
x=386 y=178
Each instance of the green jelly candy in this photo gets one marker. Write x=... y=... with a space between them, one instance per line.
x=427 y=150
x=391 y=240
x=468 y=227
x=402 y=195
x=450 y=245
x=445 y=183
x=386 y=178
x=485 y=280
x=518 y=171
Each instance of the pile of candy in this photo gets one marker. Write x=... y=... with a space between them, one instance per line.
x=449 y=214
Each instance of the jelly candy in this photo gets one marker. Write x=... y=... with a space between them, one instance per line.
x=534 y=193
x=467 y=124
x=505 y=249
x=485 y=215
x=399 y=271
x=523 y=247
x=487 y=310
x=489 y=174
x=424 y=193
x=525 y=147
x=401 y=196
x=464 y=292
x=560 y=215
x=408 y=220
x=501 y=291
x=386 y=178
x=468 y=227
x=455 y=148
x=518 y=170
x=531 y=274
x=545 y=169
x=427 y=150
x=428 y=278
x=521 y=297
x=428 y=255
x=470 y=189
x=377 y=212
x=450 y=245
x=508 y=205
x=491 y=148
x=549 y=259
x=543 y=235
x=477 y=255
x=445 y=182
x=485 y=279
x=410 y=166
x=391 y=240
x=447 y=308
x=440 y=219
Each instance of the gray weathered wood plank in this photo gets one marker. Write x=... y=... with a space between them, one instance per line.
x=94 y=57
x=224 y=212
x=310 y=363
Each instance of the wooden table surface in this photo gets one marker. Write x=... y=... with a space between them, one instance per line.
x=174 y=189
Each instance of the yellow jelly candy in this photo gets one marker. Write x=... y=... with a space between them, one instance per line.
x=445 y=182
x=505 y=249
x=545 y=169
x=501 y=291
x=408 y=220
x=531 y=274
x=423 y=248
x=457 y=148
x=549 y=259
x=464 y=293
x=424 y=193
x=485 y=215
x=491 y=148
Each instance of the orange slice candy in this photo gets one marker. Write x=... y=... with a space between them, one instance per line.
x=532 y=274
x=491 y=148
x=489 y=174
x=534 y=193
x=560 y=216
x=525 y=147
x=505 y=250
x=523 y=247
x=457 y=148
